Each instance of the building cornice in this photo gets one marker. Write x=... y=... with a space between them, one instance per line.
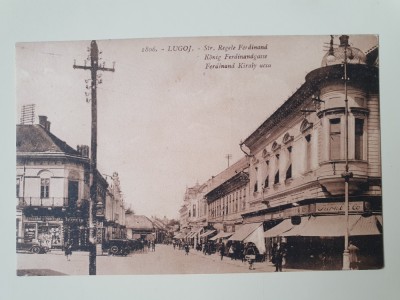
x=360 y=75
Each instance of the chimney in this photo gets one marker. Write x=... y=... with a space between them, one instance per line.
x=344 y=40
x=44 y=123
x=83 y=150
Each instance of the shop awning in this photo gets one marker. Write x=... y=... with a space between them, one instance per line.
x=193 y=232
x=279 y=229
x=335 y=226
x=244 y=231
x=221 y=235
x=179 y=235
x=207 y=233
x=251 y=233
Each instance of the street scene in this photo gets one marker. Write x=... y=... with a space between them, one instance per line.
x=198 y=156
x=165 y=260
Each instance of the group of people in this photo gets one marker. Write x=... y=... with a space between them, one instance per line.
x=151 y=246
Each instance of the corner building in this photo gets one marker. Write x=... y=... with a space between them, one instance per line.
x=298 y=156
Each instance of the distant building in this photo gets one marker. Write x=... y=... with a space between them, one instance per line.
x=227 y=195
x=114 y=222
x=139 y=227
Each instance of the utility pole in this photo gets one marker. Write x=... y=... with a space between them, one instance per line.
x=96 y=205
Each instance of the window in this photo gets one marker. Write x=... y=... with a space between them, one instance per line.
x=289 y=169
x=266 y=181
x=18 y=186
x=308 y=153
x=276 y=178
x=194 y=210
x=334 y=139
x=73 y=193
x=44 y=187
x=256 y=183
x=359 y=134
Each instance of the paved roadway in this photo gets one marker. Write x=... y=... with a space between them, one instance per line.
x=165 y=260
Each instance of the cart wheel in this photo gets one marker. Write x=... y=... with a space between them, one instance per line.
x=114 y=249
x=35 y=249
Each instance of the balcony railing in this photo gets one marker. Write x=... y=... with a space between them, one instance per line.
x=42 y=202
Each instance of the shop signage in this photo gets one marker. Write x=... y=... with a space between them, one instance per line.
x=74 y=220
x=43 y=218
x=338 y=207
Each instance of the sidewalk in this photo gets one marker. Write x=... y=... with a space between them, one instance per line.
x=265 y=266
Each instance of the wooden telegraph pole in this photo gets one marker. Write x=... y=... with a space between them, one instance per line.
x=94 y=67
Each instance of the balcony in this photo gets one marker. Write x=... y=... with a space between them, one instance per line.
x=42 y=202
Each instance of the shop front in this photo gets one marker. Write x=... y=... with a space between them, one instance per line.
x=46 y=230
x=315 y=240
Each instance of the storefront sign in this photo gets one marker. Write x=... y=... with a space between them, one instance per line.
x=43 y=218
x=74 y=220
x=338 y=207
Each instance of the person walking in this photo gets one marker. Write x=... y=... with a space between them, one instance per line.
x=278 y=257
x=251 y=256
x=68 y=250
x=353 y=256
x=222 y=250
x=232 y=252
x=186 y=249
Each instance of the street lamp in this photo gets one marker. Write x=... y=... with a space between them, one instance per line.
x=346 y=174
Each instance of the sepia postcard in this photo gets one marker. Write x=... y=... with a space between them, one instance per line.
x=203 y=155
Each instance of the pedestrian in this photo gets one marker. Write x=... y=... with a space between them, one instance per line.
x=251 y=256
x=278 y=257
x=186 y=249
x=353 y=256
x=222 y=250
x=68 y=250
x=153 y=245
x=232 y=252
x=173 y=244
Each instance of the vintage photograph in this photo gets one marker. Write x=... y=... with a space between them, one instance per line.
x=203 y=155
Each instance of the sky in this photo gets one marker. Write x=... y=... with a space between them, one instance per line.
x=165 y=120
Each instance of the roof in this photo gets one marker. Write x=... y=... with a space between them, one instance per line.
x=361 y=74
x=158 y=224
x=34 y=138
x=138 y=222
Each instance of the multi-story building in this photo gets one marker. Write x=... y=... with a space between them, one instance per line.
x=196 y=206
x=114 y=209
x=303 y=153
x=227 y=195
x=53 y=188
